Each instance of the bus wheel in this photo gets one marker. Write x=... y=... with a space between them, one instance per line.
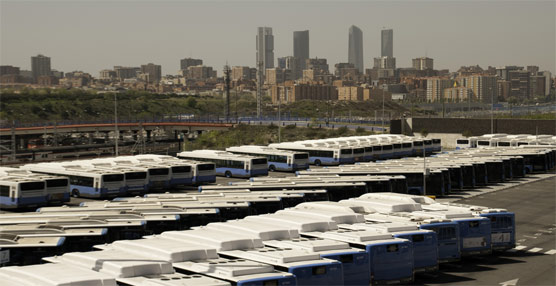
x=272 y=168
x=75 y=193
x=317 y=162
x=228 y=174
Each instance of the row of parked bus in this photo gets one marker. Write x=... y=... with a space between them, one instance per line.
x=504 y=140
x=136 y=175
x=450 y=171
x=347 y=150
x=250 y=160
x=377 y=238
x=26 y=237
x=98 y=178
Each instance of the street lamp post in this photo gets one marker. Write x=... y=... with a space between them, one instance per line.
x=116 y=132
x=382 y=111
x=491 y=111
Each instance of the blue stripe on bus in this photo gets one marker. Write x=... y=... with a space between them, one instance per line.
x=6 y=202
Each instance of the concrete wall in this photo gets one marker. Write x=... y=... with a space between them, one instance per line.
x=475 y=127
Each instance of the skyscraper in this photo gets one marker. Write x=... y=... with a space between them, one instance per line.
x=265 y=47
x=355 y=49
x=40 y=65
x=301 y=46
x=387 y=47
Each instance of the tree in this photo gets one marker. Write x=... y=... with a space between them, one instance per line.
x=467 y=134
x=424 y=132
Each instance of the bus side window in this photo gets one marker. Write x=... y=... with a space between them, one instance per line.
x=4 y=191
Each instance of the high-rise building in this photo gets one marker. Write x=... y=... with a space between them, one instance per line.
x=107 y=75
x=547 y=81
x=241 y=73
x=5 y=70
x=126 y=72
x=436 y=87
x=265 y=48
x=292 y=64
x=154 y=72
x=355 y=48
x=277 y=75
x=301 y=46
x=483 y=87
x=385 y=63
x=40 y=65
x=387 y=43
x=189 y=62
x=457 y=94
x=502 y=72
x=201 y=72
x=519 y=84
x=319 y=65
x=423 y=63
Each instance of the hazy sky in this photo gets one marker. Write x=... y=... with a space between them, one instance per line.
x=95 y=35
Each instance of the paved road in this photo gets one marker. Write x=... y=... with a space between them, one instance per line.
x=533 y=262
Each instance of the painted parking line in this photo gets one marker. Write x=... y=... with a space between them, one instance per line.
x=534 y=250
x=551 y=252
x=517 y=248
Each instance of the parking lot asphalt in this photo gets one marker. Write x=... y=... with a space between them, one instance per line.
x=533 y=261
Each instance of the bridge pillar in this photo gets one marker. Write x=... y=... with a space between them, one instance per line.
x=22 y=143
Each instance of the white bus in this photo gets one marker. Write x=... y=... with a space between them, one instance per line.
x=85 y=182
x=21 y=192
x=57 y=188
x=278 y=160
x=319 y=155
x=136 y=180
x=159 y=176
x=202 y=172
x=229 y=164
x=465 y=143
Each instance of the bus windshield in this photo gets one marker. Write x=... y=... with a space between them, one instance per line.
x=483 y=143
x=462 y=141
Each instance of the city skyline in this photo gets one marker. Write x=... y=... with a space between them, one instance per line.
x=72 y=35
